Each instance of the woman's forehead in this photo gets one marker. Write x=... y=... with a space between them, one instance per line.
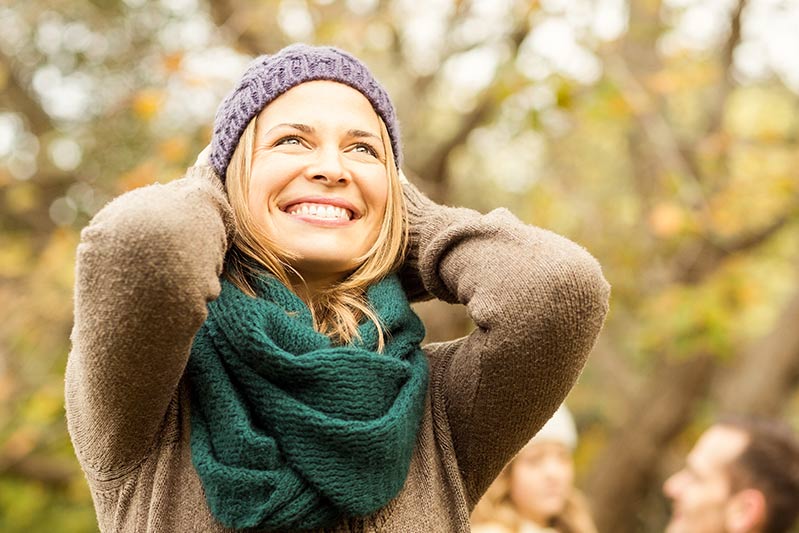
x=322 y=101
x=543 y=447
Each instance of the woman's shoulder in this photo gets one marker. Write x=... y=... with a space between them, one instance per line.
x=491 y=527
x=530 y=527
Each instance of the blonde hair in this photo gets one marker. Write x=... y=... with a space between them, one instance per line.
x=496 y=508
x=338 y=310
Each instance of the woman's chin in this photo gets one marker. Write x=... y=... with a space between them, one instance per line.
x=549 y=507
x=330 y=269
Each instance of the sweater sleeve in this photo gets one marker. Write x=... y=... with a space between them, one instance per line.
x=538 y=302
x=147 y=264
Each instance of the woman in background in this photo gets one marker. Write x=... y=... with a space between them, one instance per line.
x=535 y=493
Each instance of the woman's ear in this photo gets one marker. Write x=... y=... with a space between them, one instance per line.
x=746 y=511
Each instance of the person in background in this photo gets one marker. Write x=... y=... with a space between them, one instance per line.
x=535 y=492
x=742 y=476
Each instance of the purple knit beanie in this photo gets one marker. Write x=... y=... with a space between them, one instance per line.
x=269 y=76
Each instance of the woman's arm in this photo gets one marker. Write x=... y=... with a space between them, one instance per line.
x=538 y=301
x=147 y=264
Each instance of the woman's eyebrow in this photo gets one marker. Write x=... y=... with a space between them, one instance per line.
x=305 y=128
x=301 y=127
x=362 y=133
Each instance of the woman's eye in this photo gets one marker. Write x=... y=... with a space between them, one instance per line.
x=365 y=149
x=288 y=140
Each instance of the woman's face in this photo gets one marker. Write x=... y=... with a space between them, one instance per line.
x=319 y=184
x=541 y=479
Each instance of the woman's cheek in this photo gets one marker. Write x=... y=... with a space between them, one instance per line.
x=258 y=202
x=524 y=482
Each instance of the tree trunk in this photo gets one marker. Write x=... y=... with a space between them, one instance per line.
x=622 y=474
x=767 y=372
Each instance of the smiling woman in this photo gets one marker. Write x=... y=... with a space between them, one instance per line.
x=318 y=174
x=312 y=176
x=244 y=353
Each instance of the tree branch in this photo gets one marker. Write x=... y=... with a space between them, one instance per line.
x=768 y=370
x=727 y=82
x=19 y=98
x=657 y=130
x=436 y=168
x=234 y=19
x=50 y=472
x=696 y=265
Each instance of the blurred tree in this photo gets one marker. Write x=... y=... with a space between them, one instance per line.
x=658 y=134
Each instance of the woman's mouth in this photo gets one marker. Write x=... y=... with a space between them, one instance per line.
x=321 y=211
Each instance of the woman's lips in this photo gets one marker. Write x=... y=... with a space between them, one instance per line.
x=321 y=207
x=322 y=211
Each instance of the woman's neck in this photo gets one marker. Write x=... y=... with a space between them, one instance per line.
x=308 y=287
x=535 y=518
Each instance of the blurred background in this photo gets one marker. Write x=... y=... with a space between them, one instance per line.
x=662 y=135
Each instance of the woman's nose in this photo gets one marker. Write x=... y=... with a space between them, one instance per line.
x=327 y=166
x=671 y=487
x=554 y=469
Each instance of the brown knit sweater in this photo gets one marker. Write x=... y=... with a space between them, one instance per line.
x=150 y=261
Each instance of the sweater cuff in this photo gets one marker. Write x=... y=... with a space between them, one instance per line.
x=427 y=221
x=206 y=178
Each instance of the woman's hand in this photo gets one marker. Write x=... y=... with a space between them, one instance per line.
x=427 y=222
x=203 y=157
x=202 y=168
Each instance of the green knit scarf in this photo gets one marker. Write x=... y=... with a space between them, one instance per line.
x=288 y=430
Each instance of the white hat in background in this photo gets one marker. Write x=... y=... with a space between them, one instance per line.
x=559 y=428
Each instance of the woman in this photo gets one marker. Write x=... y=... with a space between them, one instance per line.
x=244 y=356
x=535 y=493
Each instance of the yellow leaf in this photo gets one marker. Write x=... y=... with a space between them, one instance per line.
x=56 y=255
x=3 y=76
x=147 y=102
x=686 y=76
x=21 y=197
x=764 y=114
x=138 y=177
x=195 y=80
x=21 y=443
x=15 y=257
x=172 y=61
x=44 y=406
x=663 y=82
x=174 y=149
x=5 y=177
x=666 y=220
x=7 y=388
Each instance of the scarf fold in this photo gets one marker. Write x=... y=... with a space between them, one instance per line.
x=289 y=431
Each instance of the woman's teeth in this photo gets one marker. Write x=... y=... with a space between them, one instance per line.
x=320 y=211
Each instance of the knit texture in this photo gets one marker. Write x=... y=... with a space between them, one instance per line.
x=290 y=431
x=269 y=76
x=149 y=263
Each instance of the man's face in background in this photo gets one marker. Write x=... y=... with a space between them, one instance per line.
x=701 y=492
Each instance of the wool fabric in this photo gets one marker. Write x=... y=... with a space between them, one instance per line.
x=152 y=257
x=269 y=76
x=289 y=431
